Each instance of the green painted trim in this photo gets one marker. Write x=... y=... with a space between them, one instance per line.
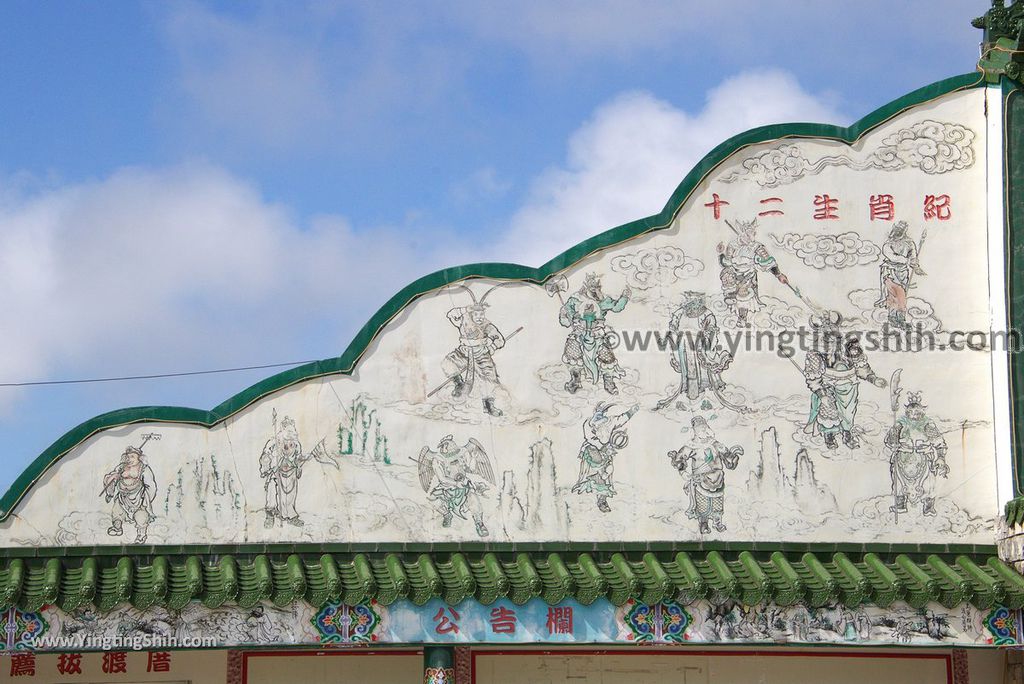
x=1013 y=209
x=345 y=363
x=1013 y=511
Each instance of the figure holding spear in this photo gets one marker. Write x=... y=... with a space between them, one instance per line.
x=131 y=487
x=741 y=260
x=471 y=364
x=900 y=262
x=281 y=464
x=894 y=405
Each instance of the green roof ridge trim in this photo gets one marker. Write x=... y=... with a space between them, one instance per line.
x=1013 y=512
x=345 y=363
x=1013 y=207
x=813 y=580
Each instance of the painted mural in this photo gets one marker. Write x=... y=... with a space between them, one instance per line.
x=507 y=622
x=780 y=362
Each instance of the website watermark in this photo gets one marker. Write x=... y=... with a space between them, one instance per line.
x=786 y=343
x=118 y=642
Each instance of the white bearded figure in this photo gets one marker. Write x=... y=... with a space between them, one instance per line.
x=281 y=467
x=899 y=265
x=697 y=356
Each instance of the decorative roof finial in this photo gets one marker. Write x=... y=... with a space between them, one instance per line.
x=1002 y=45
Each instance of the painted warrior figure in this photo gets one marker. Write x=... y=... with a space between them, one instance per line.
x=471 y=364
x=281 y=466
x=706 y=460
x=587 y=349
x=833 y=371
x=604 y=434
x=455 y=477
x=741 y=259
x=697 y=356
x=899 y=264
x=917 y=458
x=131 y=486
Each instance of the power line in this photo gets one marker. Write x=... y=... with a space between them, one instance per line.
x=154 y=376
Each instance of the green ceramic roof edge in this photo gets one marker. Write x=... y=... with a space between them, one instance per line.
x=1013 y=511
x=1013 y=208
x=984 y=581
x=345 y=363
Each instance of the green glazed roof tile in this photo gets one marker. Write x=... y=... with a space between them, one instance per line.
x=255 y=581
x=590 y=583
x=814 y=579
x=555 y=579
x=1014 y=512
x=388 y=587
x=323 y=580
x=789 y=588
x=988 y=590
x=623 y=584
x=491 y=582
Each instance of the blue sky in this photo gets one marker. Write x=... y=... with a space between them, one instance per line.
x=189 y=185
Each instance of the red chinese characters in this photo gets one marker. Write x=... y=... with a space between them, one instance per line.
x=716 y=205
x=447 y=624
x=937 y=207
x=771 y=212
x=559 y=620
x=158 y=661
x=114 y=662
x=503 y=621
x=825 y=208
x=882 y=207
x=23 y=665
x=69 y=663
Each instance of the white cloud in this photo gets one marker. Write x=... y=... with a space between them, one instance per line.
x=154 y=270
x=248 y=78
x=319 y=74
x=589 y=28
x=305 y=76
x=483 y=184
x=624 y=163
x=566 y=34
